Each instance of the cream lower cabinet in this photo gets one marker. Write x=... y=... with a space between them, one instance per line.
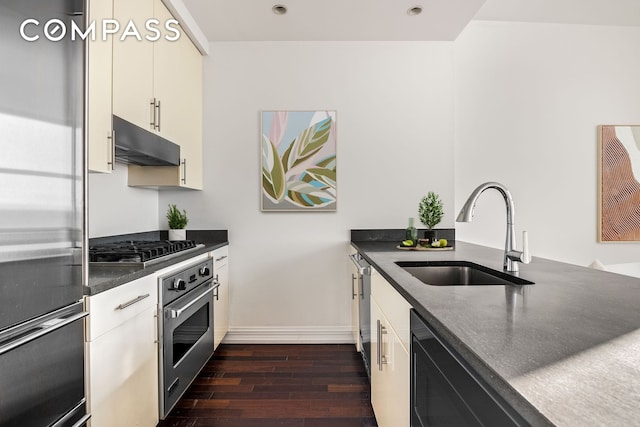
x=390 y=349
x=220 y=295
x=122 y=355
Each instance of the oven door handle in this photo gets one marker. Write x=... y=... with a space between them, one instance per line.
x=42 y=329
x=175 y=313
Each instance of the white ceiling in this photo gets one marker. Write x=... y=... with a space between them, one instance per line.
x=588 y=12
x=354 y=20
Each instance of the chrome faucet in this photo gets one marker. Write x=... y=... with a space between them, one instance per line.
x=511 y=255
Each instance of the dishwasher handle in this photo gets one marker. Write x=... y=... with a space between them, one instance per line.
x=363 y=267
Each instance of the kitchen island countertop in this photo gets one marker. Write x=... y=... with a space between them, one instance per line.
x=564 y=351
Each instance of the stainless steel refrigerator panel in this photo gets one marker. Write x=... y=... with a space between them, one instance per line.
x=29 y=289
x=42 y=369
x=42 y=211
x=41 y=167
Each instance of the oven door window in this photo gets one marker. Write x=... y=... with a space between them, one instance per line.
x=189 y=332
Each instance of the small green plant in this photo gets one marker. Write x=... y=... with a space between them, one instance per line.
x=177 y=219
x=430 y=210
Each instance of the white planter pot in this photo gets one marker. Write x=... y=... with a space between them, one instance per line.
x=179 y=234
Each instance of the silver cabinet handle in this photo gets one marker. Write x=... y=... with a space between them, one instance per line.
x=382 y=359
x=221 y=258
x=152 y=103
x=133 y=301
x=353 y=288
x=112 y=149
x=43 y=329
x=216 y=291
x=159 y=110
x=184 y=171
x=176 y=313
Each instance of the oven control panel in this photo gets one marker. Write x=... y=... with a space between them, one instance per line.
x=185 y=280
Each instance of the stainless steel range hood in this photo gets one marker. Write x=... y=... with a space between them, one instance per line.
x=137 y=146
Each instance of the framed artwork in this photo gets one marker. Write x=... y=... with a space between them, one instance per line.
x=619 y=183
x=298 y=161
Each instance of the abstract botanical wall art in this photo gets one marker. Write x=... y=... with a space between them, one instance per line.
x=619 y=182
x=299 y=161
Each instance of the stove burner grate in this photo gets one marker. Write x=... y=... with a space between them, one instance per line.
x=137 y=251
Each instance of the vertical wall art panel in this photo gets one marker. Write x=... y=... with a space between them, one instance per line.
x=299 y=161
x=619 y=176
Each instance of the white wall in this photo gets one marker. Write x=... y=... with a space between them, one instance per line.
x=115 y=208
x=528 y=101
x=394 y=105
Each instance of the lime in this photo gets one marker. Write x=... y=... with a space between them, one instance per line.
x=443 y=243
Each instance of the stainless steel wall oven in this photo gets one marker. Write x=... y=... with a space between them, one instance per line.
x=186 y=329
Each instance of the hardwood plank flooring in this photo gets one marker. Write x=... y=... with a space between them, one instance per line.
x=302 y=385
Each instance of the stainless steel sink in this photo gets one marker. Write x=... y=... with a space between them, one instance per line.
x=458 y=273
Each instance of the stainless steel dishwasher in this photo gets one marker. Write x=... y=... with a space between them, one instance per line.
x=364 y=308
x=446 y=390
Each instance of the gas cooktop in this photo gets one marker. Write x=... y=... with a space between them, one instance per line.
x=138 y=252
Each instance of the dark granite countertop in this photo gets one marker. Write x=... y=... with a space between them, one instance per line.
x=104 y=278
x=564 y=351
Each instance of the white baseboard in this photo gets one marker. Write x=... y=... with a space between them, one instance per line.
x=288 y=335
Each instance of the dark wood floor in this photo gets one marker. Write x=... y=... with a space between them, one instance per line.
x=278 y=385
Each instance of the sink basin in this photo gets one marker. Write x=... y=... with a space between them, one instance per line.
x=458 y=273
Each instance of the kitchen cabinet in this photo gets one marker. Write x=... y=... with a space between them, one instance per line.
x=220 y=295
x=390 y=345
x=355 y=295
x=122 y=355
x=133 y=65
x=99 y=84
x=162 y=95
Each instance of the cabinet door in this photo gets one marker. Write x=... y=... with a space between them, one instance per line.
x=123 y=374
x=221 y=296
x=99 y=108
x=355 y=296
x=393 y=305
x=389 y=372
x=114 y=307
x=133 y=64
x=177 y=87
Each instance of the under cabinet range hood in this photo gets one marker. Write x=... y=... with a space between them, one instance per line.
x=138 y=146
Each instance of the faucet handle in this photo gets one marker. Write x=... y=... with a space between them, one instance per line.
x=525 y=258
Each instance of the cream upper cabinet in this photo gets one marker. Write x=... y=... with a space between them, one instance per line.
x=133 y=64
x=220 y=295
x=177 y=95
x=99 y=107
x=390 y=360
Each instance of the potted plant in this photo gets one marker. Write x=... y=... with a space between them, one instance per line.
x=177 y=222
x=430 y=213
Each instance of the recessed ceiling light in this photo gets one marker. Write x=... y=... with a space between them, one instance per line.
x=415 y=10
x=279 y=9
